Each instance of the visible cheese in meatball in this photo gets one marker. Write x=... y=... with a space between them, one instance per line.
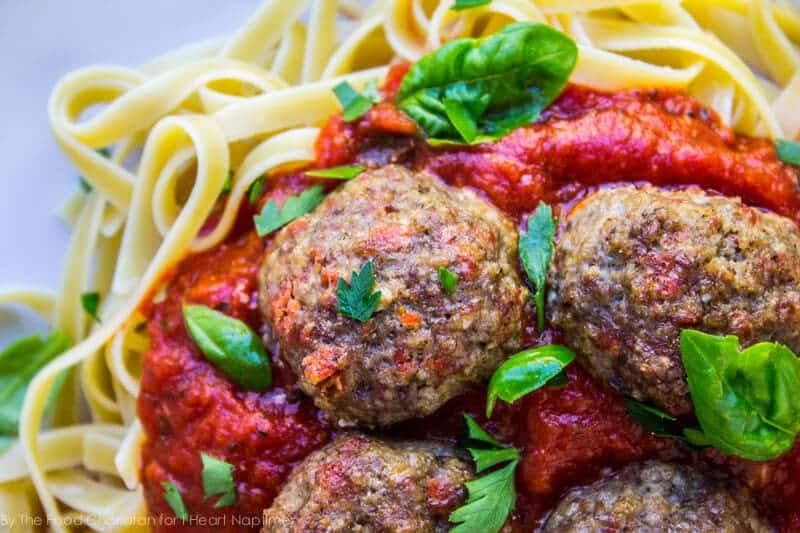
x=635 y=266
x=654 y=497
x=422 y=346
x=360 y=483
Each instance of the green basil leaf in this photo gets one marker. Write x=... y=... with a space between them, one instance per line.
x=230 y=345
x=218 y=479
x=788 y=151
x=256 y=188
x=90 y=301
x=175 y=501
x=499 y=82
x=354 y=105
x=468 y=4
x=661 y=424
x=273 y=217
x=747 y=402
x=19 y=363
x=525 y=372
x=344 y=172
x=696 y=437
x=448 y=280
x=536 y=251
x=356 y=299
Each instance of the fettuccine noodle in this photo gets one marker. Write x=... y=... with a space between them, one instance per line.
x=253 y=104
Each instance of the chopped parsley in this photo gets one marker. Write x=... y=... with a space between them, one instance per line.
x=344 y=172
x=354 y=104
x=228 y=185
x=273 y=217
x=356 y=299
x=175 y=501
x=448 y=280
x=467 y=4
x=536 y=250
x=491 y=497
x=218 y=479
x=256 y=188
x=90 y=301
x=788 y=151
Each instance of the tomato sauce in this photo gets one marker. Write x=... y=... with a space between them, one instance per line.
x=568 y=435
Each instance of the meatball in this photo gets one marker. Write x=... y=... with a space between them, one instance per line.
x=654 y=496
x=361 y=483
x=635 y=266
x=422 y=346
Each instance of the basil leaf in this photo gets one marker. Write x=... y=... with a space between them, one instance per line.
x=273 y=217
x=19 y=363
x=536 y=251
x=491 y=497
x=747 y=402
x=354 y=105
x=175 y=501
x=448 y=280
x=344 y=172
x=218 y=479
x=661 y=424
x=256 y=188
x=356 y=299
x=525 y=372
x=499 y=82
x=788 y=151
x=467 y=4
x=90 y=301
x=230 y=345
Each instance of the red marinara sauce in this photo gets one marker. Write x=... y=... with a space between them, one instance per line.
x=569 y=435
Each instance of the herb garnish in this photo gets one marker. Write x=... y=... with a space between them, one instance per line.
x=448 y=280
x=525 y=372
x=175 y=501
x=90 y=301
x=256 y=188
x=218 y=479
x=788 y=151
x=273 y=217
x=227 y=186
x=476 y=90
x=661 y=424
x=354 y=105
x=746 y=401
x=467 y=4
x=230 y=345
x=356 y=299
x=491 y=497
x=536 y=251
x=19 y=363
x=344 y=172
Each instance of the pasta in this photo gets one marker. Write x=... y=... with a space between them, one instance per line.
x=253 y=104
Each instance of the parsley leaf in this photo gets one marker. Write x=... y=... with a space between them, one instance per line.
x=448 y=280
x=354 y=105
x=218 y=479
x=344 y=172
x=467 y=4
x=19 y=363
x=356 y=299
x=788 y=151
x=90 y=301
x=272 y=217
x=256 y=188
x=175 y=501
x=490 y=498
x=85 y=185
x=536 y=250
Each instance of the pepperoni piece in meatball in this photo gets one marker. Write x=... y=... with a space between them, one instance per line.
x=635 y=266
x=360 y=483
x=422 y=346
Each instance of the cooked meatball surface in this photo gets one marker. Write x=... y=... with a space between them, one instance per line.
x=635 y=266
x=422 y=346
x=653 y=497
x=365 y=484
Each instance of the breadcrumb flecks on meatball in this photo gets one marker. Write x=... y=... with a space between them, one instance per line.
x=422 y=346
x=361 y=483
x=653 y=497
x=635 y=266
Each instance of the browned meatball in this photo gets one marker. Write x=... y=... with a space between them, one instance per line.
x=635 y=266
x=422 y=346
x=365 y=484
x=653 y=497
